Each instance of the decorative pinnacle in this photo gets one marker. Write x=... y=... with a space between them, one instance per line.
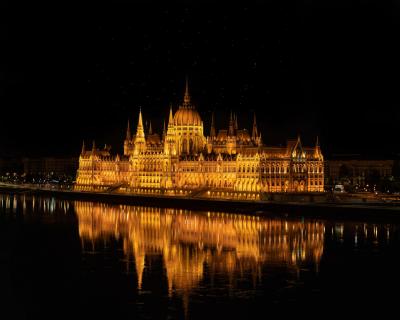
x=128 y=132
x=140 y=123
x=255 y=130
x=171 y=117
x=186 y=98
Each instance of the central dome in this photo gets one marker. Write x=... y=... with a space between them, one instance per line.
x=187 y=117
x=187 y=114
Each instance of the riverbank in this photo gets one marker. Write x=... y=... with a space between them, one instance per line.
x=313 y=205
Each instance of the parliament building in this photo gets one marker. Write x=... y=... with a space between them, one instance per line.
x=183 y=161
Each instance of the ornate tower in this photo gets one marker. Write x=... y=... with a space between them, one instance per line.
x=231 y=139
x=128 y=141
x=170 y=145
x=140 y=140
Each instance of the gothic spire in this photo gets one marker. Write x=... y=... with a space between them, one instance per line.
x=171 y=117
x=318 y=152
x=139 y=129
x=128 y=132
x=230 y=130
x=83 y=147
x=236 y=122
x=255 y=131
x=212 y=130
x=298 y=143
x=140 y=118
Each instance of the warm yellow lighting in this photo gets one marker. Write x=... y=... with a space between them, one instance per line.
x=230 y=160
x=187 y=241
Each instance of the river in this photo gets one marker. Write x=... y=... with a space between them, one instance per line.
x=76 y=259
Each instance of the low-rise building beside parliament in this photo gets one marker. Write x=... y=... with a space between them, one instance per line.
x=184 y=159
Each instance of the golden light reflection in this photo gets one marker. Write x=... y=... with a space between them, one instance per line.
x=189 y=242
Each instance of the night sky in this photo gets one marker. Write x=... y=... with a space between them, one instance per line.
x=73 y=70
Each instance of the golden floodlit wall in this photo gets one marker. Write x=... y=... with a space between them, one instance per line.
x=182 y=158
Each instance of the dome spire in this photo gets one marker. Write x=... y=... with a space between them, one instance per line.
x=186 y=98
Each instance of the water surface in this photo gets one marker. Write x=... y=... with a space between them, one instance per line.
x=70 y=259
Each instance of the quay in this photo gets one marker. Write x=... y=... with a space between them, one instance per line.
x=317 y=205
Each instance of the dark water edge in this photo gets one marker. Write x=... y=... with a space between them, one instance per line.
x=74 y=259
x=320 y=209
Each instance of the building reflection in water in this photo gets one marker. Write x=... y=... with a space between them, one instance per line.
x=195 y=246
x=189 y=242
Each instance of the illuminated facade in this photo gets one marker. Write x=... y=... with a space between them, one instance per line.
x=184 y=159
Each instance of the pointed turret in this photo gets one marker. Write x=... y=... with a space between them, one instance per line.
x=212 y=130
x=297 y=150
x=254 y=133
x=231 y=129
x=235 y=122
x=298 y=142
x=83 y=148
x=164 y=132
x=128 y=140
x=140 y=141
x=150 y=129
x=128 y=132
x=171 y=117
x=139 y=129
x=170 y=142
x=259 y=140
x=93 y=147
x=317 y=149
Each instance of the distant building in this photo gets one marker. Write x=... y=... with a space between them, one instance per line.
x=11 y=165
x=357 y=170
x=57 y=166
x=231 y=159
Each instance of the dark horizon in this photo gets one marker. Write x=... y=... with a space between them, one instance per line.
x=76 y=71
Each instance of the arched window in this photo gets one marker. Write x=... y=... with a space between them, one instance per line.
x=184 y=145
x=191 y=145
